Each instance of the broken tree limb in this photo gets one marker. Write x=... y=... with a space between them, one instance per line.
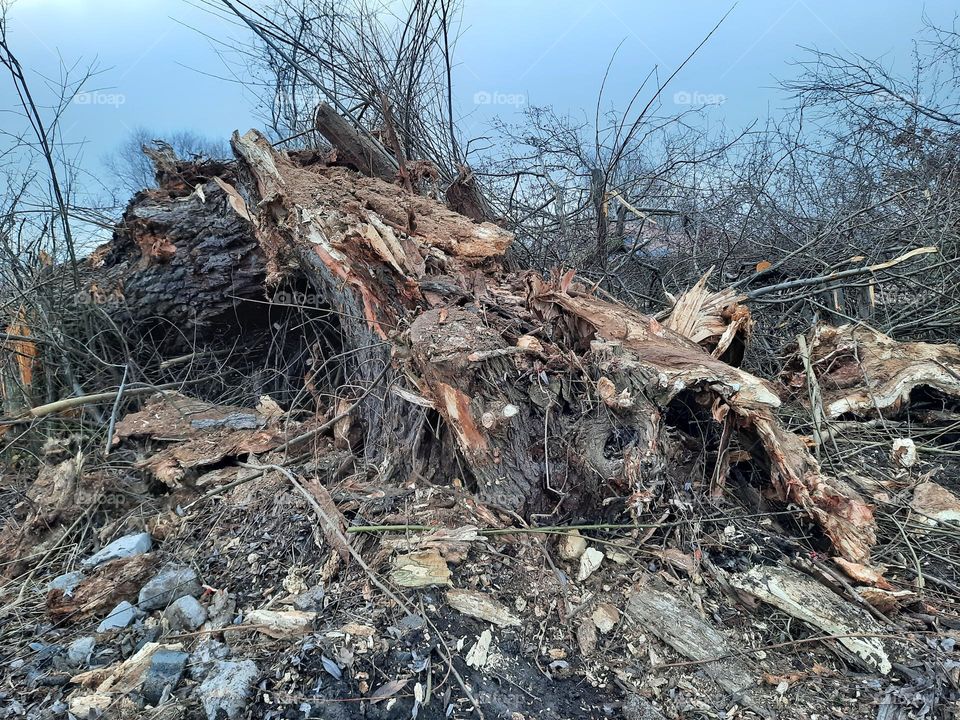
x=354 y=149
x=81 y=400
x=717 y=321
x=864 y=373
x=839 y=275
x=808 y=600
x=663 y=614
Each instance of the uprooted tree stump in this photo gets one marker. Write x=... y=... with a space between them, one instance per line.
x=534 y=392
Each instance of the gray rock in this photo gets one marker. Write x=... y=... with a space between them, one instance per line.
x=311 y=600
x=121 y=616
x=205 y=656
x=120 y=548
x=185 y=613
x=227 y=688
x=165 y=671
x=66 y=582
x=221 y=611
x=172 y=582
x=79 y=651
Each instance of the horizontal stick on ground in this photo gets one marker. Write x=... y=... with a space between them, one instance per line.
x=81 y=400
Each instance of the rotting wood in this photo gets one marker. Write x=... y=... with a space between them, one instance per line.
x=420 y=292
x=663 y=614
x=808 y=600
x=353 y=149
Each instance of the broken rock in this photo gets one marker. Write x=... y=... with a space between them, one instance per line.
x=165 y=671
x=572 y=545
x=172 y=582
x=185 y=613
x=66 y=582
x=589 y=561
x=205 y=656
x=79 y=651
x=605 y=617
x=120 y=617
x=225 y=692
x=123 y=547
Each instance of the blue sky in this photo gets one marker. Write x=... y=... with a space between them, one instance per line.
x=509 y=54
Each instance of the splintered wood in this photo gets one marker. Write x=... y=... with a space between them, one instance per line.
x=509 y=361
x=864 y=373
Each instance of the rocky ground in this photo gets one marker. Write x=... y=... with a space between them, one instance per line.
x=245 y=605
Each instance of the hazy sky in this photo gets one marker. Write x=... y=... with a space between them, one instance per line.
x=510 y=53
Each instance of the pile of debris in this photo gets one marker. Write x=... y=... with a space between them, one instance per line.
x=451 y=490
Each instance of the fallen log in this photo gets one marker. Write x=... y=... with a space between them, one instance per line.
x=534 y=393
x=864 y=373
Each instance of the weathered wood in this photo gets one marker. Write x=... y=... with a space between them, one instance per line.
x=417 y=288
x=807 y=600
x=354 y=149
x=664 y=615
x=862 y=372
x=179 y=265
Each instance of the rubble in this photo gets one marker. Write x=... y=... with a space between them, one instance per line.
x=227 y=688
x=589 y=561
x=120 y=617
x=572 y=546
x=123 y=547
x=171 y=583
x=185 y=613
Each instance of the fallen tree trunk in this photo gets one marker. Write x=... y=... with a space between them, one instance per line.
x=537 y=395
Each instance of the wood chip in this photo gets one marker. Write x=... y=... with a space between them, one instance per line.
x=605 y=616
x=426 y=568
x=587 y=637
x=477 y=655
x=480 y=606
x=935 y=504
x=589 y=562
x=281 y=624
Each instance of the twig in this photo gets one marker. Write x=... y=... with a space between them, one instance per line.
x=853 y=272
x=116 y=408
x=72 y=402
